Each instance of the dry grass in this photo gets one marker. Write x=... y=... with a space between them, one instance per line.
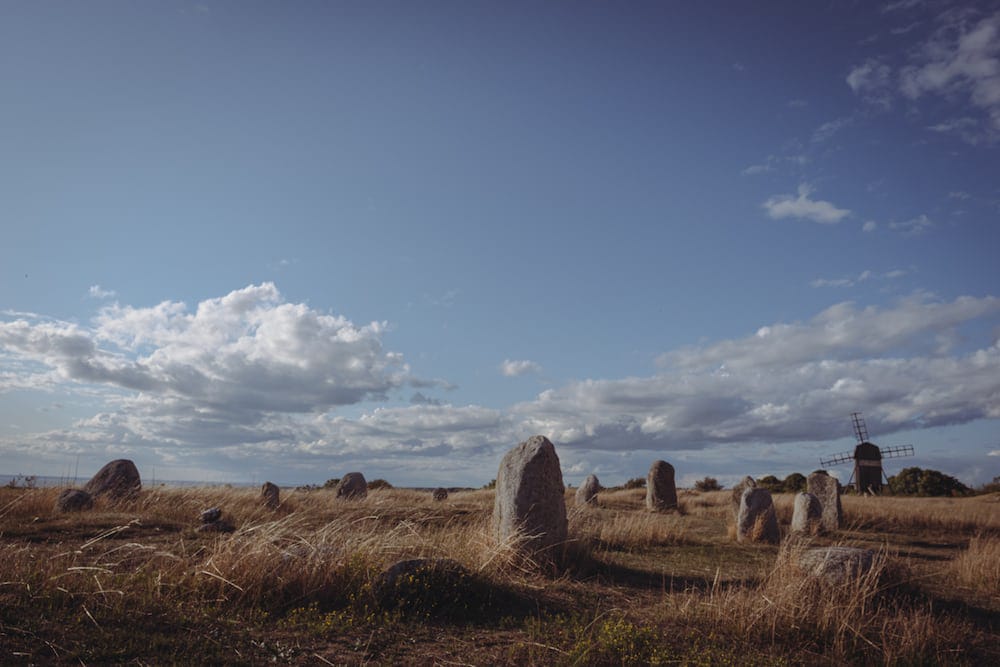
x=136 y=582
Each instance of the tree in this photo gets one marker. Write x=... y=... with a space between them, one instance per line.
x=794 y=483
x=379 y=484
x=708 y=484
x=635 y=483
x=771 y=483
x=919 y=482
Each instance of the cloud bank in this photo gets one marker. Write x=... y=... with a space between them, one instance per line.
x=249 y=381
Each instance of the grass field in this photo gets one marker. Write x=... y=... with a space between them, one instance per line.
x=136 y=584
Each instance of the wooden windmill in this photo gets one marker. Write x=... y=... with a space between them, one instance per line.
x=868 y=474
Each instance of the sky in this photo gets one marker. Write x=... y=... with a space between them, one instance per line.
x=248 y=241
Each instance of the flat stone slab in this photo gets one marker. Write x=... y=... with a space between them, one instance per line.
x=837 y=565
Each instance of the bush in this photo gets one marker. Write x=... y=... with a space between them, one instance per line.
x=920 y=482
x=708 y=484
x=794 y=483
x=331 y=483
x=635 y=483
x=376 y=484
x=771 y=483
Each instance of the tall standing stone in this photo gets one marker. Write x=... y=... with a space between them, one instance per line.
x=661 y=494
x=806 y=514
x=587 y=493
x=117 y=480
x=530 y=497
x=270 y=495
x=827 y=489
x=352 y=486
x=744 y=484
x=757 y=521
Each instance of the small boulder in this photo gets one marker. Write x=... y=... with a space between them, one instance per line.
x=530 y=497
x=837 y=565
x=661 y=493
x=440 y=494
x=74 y=500
x=806 y=514
x=352 y=486
x=827 y=490
x=737 y=495
x=757 y=520
x=118 y=480
x=211 y=515
x=270 y=495
x=587 y=493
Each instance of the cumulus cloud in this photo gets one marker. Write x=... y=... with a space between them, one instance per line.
x=248 y=352
x=804 y=208
x=511 y=368
x=250 y=382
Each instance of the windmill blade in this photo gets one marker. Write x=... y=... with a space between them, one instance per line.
x=897 y=451
x=837 y=459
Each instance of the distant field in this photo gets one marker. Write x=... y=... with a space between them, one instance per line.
x=135 y=583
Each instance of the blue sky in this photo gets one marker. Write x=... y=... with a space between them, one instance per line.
x=248 y=241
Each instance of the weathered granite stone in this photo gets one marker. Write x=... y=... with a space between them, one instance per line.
x=587 y=493
x=352 y=486
x=757 y=520
x=530 y=498
x=440 y=494
x=806 y=514
x=827 y=490
x=211 y=515
x=837 y=565
x=270 y=495
x=661 y=493
x=744 y=484
x=74 y=500
x=118 y=479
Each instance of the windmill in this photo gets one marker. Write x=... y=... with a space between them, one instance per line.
x=868 y=474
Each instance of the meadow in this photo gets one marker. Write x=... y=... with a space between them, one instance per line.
x=136 y=583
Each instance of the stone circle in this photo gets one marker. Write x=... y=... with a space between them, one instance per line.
x=806 y=514
x=827 y=489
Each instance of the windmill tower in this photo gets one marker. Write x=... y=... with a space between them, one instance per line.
x=868 y=473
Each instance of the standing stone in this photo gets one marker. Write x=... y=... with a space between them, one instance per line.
x=74 y=500
x=806 y=514
x=587 y=493
x=826 y=488
x=212 y=522
x=661 y=494
x=270 y=495
x=440 y=494
x=744 y=484
x=118 y=479
x=352 y=486
x=757 y=521
x=530 y=497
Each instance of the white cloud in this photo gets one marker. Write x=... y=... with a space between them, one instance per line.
x=97 y=292
x=962 y=196
x=914 y=226
x=872 y=81
x=995 y=452
x=802 y=207
x=248 y=352
x=755 y=169
x=240 y=383
x=869 y=226
x=515 y=368
x=862 y=277
x=825 y=131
